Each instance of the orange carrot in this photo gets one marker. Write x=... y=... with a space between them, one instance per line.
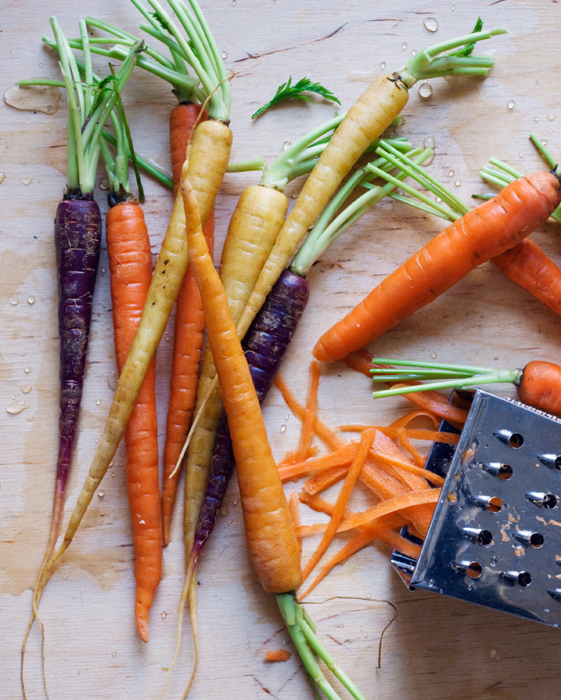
x=270 y=536
x=311 y=411
x=130 y=261
x=189 y=327
x=366 y=440
x=187 y=351
x=277 y=655
x=483 y=233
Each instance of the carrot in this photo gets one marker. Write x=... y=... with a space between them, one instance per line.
x=187 y=351
x=270 y=535
x=294 y=505
x=481 y=234
x=366 y=440
x=130 y=261
x=189 y=327
x=372 y=113
x=538 y=384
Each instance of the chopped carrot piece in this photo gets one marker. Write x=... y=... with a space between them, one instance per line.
x=277 y=655
x=311 y=412
x=344 y=455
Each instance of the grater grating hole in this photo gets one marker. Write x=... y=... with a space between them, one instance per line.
x=495 y=504
x=557 y=463
x=484 y=538
x=524 y=578
x=550 y=501
x=505 y=472
x=536 y=540
x=516 y=440
x=474 y=570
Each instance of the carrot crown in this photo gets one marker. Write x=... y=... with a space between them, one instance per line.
x=90 y=103
x=430 y=63
x=329 y=227
x=443 y=376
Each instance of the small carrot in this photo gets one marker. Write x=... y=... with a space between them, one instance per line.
x=538 y=384
x=479 y=235
x=130 y=262
x=273 y=655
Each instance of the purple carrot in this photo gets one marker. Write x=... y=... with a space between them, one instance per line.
x=265 y=345
x=77 y=244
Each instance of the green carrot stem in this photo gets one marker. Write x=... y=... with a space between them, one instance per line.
x=244 y=166
x=428 y=365
x=429 y=64
x=499 y=377
x=147 y=164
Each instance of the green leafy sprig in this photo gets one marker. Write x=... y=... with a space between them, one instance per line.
x=288 y=91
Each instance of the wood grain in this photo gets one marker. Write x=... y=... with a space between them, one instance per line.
x=437 y=648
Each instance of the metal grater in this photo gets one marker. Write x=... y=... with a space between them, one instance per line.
x=495 y=538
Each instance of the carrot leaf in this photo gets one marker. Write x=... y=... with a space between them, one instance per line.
x=468 y=49
x=288 y=91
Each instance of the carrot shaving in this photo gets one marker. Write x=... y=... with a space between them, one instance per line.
x=322 y=481
x=294 y=507
x=311 y=412
x=366 y=440
x=325 y=434
x=428 y=435
x=344 y=455
x=277 y=655
x=404 y=421
x=406 y=442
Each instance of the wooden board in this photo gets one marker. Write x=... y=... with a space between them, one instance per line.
x=436 y=648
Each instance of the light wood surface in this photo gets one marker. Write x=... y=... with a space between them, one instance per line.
x=437 y=649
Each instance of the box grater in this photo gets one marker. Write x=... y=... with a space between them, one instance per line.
x=495 y=538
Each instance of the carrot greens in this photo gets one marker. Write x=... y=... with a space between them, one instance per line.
x=289 y=91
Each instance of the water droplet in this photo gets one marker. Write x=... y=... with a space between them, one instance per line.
x=101 y=493
x=235 y=501
x=230 y=521
x=103 y=270
x=285 y=145
x=96 y=441
x=457 y=182
x=16 y=407
x=283 y=428
x=98 y=402
x=495 y=655
x=450 y=173
x=413 y=52
x=438 y=199
x=536 y=119
x=168 y=339
x=543 y=142
x=433 y=355
x=31 y=299
x=14 y=301
x=521 y=155
x=404 y=46
x=234 y=532
x=233 y=2
x=510 y=104
x=383 y=65
x=164 y=614
x=369 y=595
x=453 y=8
x=425 y=90
x=27 y=369
x=27 y=180
x=103 y=184
x=114 y=653
x=65 y=577
x=34 y=98
x=2 y=177
x=431 y=24
x=224 y=54
x=113 y=475
x=551 y=117
x=26 y=389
